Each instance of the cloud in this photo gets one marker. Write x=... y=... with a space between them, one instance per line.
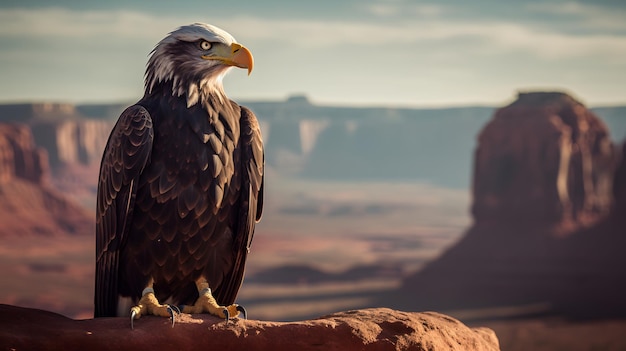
x=489 y=37
x=402 y=9
x=59 y=22
x=446 y=54
x=552 y=45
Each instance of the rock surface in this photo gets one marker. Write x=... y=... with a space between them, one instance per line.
x=72 y=141
x=64 y=131
x=368 y=329
x=549 y=210
x=544 y=158
x=619 y=188
x=19 y=156
x=28 y=203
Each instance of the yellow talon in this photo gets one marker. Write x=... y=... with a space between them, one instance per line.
x=148 y=304
x=207 y=303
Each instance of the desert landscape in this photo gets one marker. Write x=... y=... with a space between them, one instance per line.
x=533 y=258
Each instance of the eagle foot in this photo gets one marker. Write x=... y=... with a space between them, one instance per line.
x=150 y=305
x=206 y=303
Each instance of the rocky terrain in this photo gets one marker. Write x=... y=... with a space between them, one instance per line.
x=29 y=205
x=548 y=215
x=543 y=159
x=72 y=140
x=372 y=329
x=68 y=135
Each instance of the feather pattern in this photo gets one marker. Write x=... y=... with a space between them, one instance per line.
x=127 y=153
x=181 y=183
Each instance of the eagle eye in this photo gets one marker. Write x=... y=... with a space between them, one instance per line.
x=204 y=45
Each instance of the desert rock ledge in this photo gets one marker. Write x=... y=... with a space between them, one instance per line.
x=367 y=329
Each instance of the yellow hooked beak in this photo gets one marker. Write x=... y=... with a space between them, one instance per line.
x=235 y=55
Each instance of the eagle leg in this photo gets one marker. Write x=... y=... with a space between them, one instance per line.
x=206 y=303
x=150 y=305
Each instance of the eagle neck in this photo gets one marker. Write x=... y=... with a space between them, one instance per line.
x=209 y=94
x=205 y=91
x=194 y=87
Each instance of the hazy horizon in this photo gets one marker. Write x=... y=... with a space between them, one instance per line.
x=339 y=104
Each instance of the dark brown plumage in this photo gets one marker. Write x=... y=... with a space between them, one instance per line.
x=181 y=182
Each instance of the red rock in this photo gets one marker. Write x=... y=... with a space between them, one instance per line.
x=549 y=233
x=368 y=329
x=28 y=204
x=619 y=190
x=19 y=156
x=72 y=141
x=544 y=158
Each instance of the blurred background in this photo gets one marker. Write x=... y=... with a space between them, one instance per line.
x=464 y=158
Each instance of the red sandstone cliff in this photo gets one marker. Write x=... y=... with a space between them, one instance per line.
x=549 y=232
x=19 y=157
x=28 y=204
x=544 y=158
x=73 y=141
x=619 y=189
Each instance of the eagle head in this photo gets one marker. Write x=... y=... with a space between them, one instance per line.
x=194 y=59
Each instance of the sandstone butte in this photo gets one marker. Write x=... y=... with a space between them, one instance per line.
x=549 y=210
x=366 y=329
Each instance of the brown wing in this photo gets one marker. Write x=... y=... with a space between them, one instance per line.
x=250 y=202
x=125 y=156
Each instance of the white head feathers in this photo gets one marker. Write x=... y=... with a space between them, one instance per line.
x=176 y=59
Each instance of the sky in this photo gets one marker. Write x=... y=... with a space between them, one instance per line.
x=352 y=52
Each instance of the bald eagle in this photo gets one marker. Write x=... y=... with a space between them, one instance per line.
x=180 y=186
